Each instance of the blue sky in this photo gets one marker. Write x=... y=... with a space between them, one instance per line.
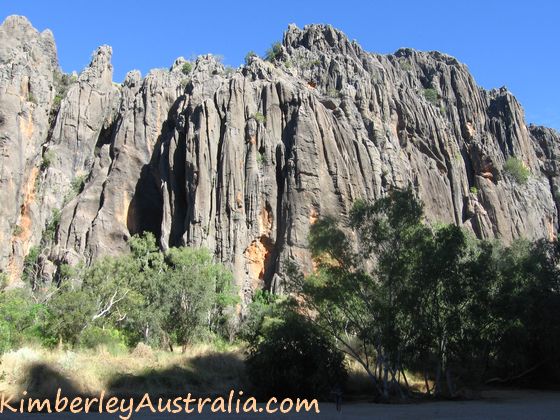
x=511 y=43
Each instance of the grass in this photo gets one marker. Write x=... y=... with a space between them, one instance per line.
x=201 y=370
x=204 y=370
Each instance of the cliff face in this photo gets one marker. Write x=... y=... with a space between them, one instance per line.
x=243 y=161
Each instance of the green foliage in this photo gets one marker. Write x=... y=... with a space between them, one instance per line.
x=517 y=170
x=260 y=118
x=263 y=308
x=261 y=158
x=333 y=93
x=78 y=183
x=47 y=160
x=249 y=56
x=158 y=298
x=30 y=265
x=198 y=290
x=52 y=225
x=3 y=280
x=295 y=359
x=69 y=312
x=187 y=68
x=431 y=299
x=62 y=83
x=474 y=190
x=17 y=230
x=76 y=187
x=111 y=339
x=56 y=101
x=405 y=65
x=431 y=95
x=274 y=52
x=19 y=319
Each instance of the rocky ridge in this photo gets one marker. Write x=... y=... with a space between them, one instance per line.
x=243 y=161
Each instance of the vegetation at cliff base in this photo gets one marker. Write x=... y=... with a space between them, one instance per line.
x=404 y=300
x=410 y=297
x=162 y=299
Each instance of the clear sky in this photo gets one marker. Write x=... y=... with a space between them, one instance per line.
x=512 y=43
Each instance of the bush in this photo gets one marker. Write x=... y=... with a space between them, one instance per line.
x=294 y=359
x=249 y=57
x=260 y=118
x=187 y=68
x=263 y=306
x=517 y=170
x=19 y=319
x=274 y=52
x=48 y=159
x=52 y=225
x=111 y=339
x=76 y=187
x=17 y=230
x=473 y=190
x=69 y=313
x=56 y=101
x=431 y=95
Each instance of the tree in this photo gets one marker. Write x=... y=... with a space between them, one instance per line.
x=198 y=290
x=294 y=358
x=395 y=297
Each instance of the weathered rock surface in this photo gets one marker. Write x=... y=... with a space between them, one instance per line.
x=243 y=161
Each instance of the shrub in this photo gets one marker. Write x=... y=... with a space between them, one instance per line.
x=260 y=118
x=333 y=93
x=17 y=230
x=111 y=339
x=431 y=95
x=517 y=170
x=474 y=190
x=405 y=65
x=48 y=159
x=187 y=68
x=31 y=98
x=19 y=319
x=263 y=306
x=69 y=313
x=52 y=225
x=294 y=359
x=274 y=52
x=31 y=265
x=261 y=158
x=56 y=101
x=3 y=280
x=249 y=57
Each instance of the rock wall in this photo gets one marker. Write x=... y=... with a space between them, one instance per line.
x=243 y=161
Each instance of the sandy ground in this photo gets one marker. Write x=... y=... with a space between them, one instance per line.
x=508 y=405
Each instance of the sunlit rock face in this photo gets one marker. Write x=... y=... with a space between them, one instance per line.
x=243 y=161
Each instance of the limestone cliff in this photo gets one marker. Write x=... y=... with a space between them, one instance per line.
x=242 y=161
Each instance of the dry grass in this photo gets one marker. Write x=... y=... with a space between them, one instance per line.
x=360 y=386
x=201 y=370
